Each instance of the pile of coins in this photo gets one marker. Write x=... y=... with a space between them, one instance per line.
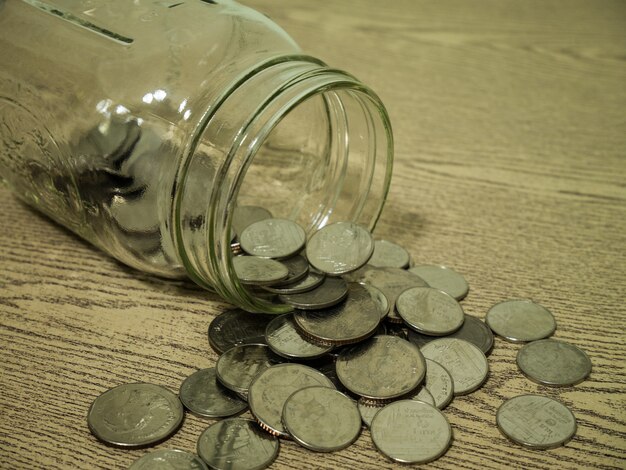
x=371 y=341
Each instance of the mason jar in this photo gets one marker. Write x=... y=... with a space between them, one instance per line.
x=142 y=126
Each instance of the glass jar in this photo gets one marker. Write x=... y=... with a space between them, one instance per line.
x=141 y=126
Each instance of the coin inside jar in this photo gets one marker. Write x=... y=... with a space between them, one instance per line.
x=322 y=419
x=411 y=431
x=259 y=271
x=552 y=362
x=536 y=421
x=273 y=238
x=135 y=415
x=330 y=292
x=339 y=248
x=430 y=311
x=520 y=321
x=382 y=368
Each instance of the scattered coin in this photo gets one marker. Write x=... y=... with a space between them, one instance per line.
x=330 y=371
x=330 y=292
x=536 y=421
x=552 y=362
x=203 y=396
x=135 y=415
x=271 y=388
x=423 y=395
x=443 y=278
x=430 y=311
x=312 y=280
x=321 y=419
x=236 y=368
x=379 y=298
x=466 y=364
x=390 y=255
x=410 y=431
x=285 y=339
x=520 y=320
x=368 y=410
x=168 y=459
x=439 y=383
x=340 y=248
x=259 y=271
x=473 y=330
x=273 y=238
x=398 y=329
x=237 y=443
x=351 y=321
x=235 y=327
x=298 y=268
x=391 y=281
x=247 y=215
x=382 y=368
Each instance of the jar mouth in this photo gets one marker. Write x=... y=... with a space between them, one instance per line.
x=316 y=148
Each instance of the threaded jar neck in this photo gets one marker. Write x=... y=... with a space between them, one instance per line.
x=306 y=142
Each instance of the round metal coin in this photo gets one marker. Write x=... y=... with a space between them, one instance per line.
x=552 y=362
x=536 y=421
x=466 y=364
x=285 y=339
x=368 y=410
x=135 y=415
x=236 y=368
x=411 y=431
x=473 y=330
x=270 y=390
x=247 y=215
x=330 y=292
x=273 y=238
x=439 y=383
x=203 y=396
x=259 y=271
x=351 y=321
x=340 y=248
x=520 y=320
x=430 y=311
x=382 y=368
x=298 y=268
x=168 y=459
x=237 y=444
x=235 y=327
x=322 y=419
x=379 y=298
x=312 y=280
x=390 y=255
x=443 y=278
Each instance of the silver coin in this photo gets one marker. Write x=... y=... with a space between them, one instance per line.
x=340 y=248
x=203 y=396
x=298 y=268
x=259 y=271
x=443 y=278
x=552 y=362
x=235 y=327
x=439 y=383
x=423 y=395
x=330 y=371
x=270 y=390
x=237 y=444
x=285 y=339
x=473 y=330
x=430 y=311
x=273 y=238
x=352 y=320
x=135 y=415
x=330 y=292
x=382 y=368
x=392 y=282
x=168 y=459
x=520 y=320
x=312 y=280
x=236 y=368
x=466 y=364
x=398 y=329
x=390 y=255
x=379 y=298
x=536 y=421
x=322 y=419
x=368 y=410
x=410 y=431
x=243 y=216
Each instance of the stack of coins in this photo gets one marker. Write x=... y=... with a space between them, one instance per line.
x=371 y=341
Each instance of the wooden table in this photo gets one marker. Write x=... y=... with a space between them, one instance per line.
x=510 y=130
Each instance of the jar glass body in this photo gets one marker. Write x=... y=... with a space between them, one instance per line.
x=141 y=128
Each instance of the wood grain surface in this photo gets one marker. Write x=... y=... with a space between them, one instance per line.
x=510 y=128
